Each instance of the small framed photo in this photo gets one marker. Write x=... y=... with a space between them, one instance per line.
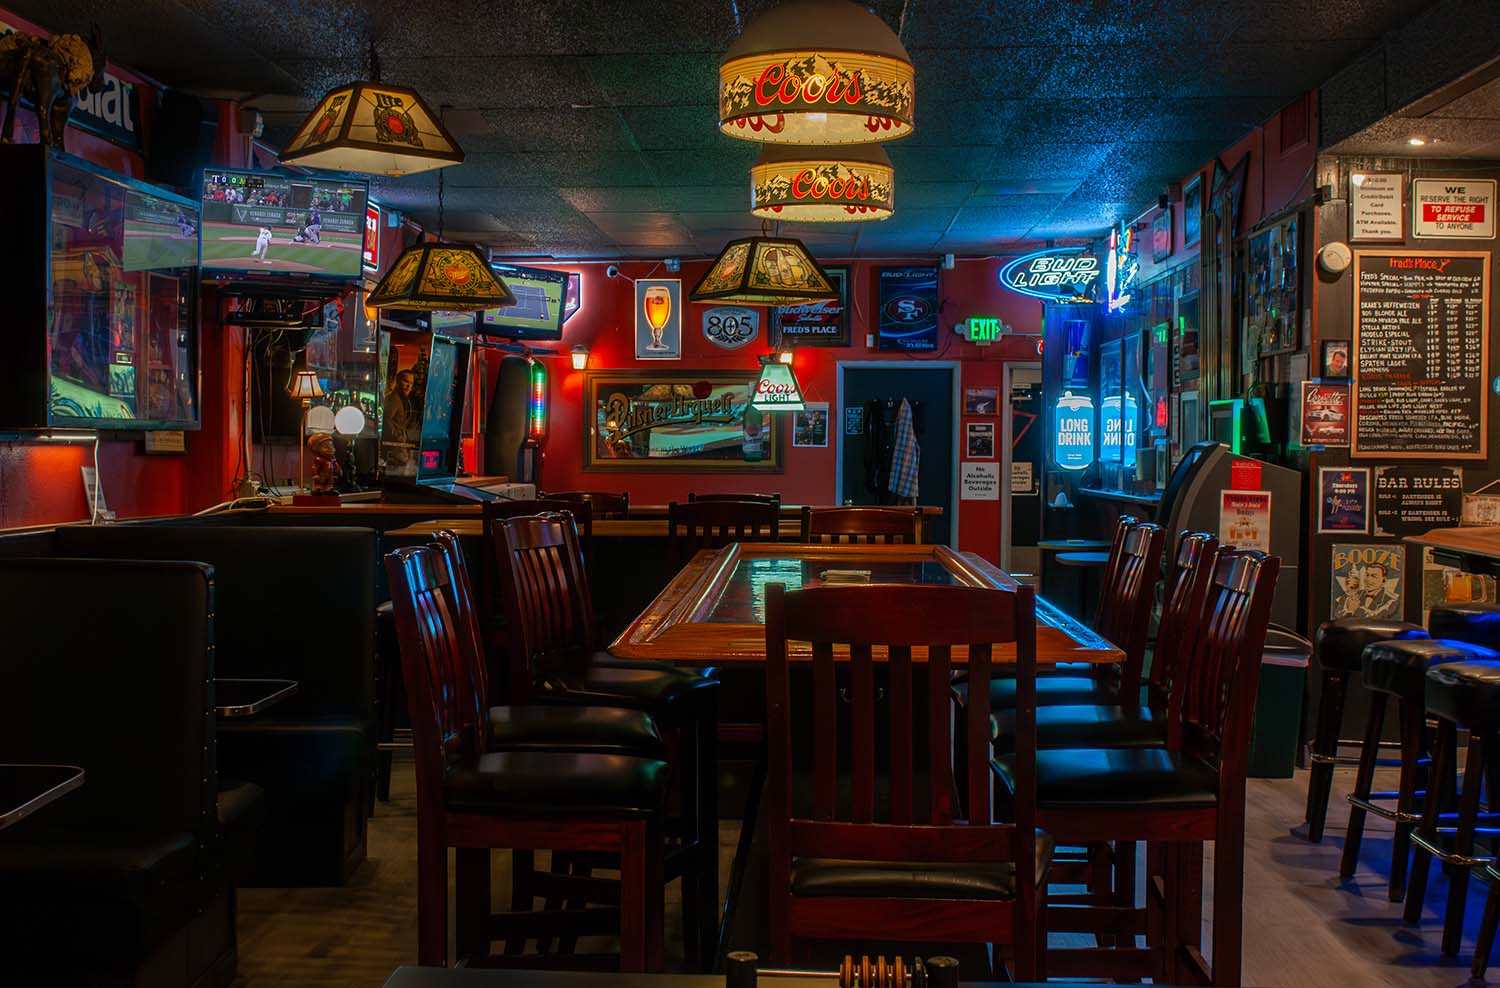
x=1192 y=210
x=1336 y=358
x=981 y=441
x=810 y=426
x=981 y=401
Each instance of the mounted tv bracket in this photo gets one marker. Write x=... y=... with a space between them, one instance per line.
x=265 y=306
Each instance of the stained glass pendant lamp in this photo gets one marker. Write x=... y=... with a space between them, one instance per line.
x=373 y=129
x=765 y=271
x=816 y=72
x=435 y=276
x=822 y=184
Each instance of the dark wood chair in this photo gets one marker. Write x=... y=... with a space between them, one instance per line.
x=581 y=510
x=903 y=866
x=862 y=525
x=475 y=800
x=694 y=497
x=1173 y=798
x=603 y=504
x=553 y=658
x=702 y=524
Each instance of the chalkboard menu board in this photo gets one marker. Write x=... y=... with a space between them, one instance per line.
x=1421 y=343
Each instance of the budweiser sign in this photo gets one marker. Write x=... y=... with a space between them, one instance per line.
x=815 y=97
x=816 y=191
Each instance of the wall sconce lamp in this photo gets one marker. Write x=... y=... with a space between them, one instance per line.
x=580 y=355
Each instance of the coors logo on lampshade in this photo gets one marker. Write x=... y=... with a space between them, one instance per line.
x=816 y=72
x=822 y=185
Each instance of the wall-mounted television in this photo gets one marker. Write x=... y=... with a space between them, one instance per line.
x=265 y=223
x=538 y=312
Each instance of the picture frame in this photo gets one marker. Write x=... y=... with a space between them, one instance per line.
x=981 y=401
x=810 y=426
x=1192 y=210
x=658 y=300
x=979 y=441
x=1335 y=359
x=1161 y=235
x=816 y=324
x=677 y=421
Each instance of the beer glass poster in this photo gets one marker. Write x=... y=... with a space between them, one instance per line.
x=1344 y=500
x=658 y=319
x=671 y=420
x=1366 y=581
x=1245 y=519
x=908 y=309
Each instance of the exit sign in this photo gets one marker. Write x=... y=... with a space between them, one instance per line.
x=982 y=330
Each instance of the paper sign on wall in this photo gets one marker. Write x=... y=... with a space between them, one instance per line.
x=1375 y=213
x=1447 y=208
x=979 y=481
x=1245 y=519
x=1022 y=479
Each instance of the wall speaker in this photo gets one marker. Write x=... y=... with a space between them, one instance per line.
x=505 y=426
x=182 y=139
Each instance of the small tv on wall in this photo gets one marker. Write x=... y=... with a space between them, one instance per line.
x=538 y=312
x=265 y=223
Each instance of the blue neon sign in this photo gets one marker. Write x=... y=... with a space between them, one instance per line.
x=1123 y=266
x=1058 y=274
x=1073 y=435
x=1114 y=424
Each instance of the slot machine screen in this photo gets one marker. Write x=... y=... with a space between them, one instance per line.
x=447 y=380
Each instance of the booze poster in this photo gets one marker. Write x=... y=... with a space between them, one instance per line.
x=1421 y=354
x=1414 y=498
x=1325 y=413
x=1365 y=581
x=1343 y=500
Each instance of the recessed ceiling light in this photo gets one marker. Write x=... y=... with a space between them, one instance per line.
x=1415 y=142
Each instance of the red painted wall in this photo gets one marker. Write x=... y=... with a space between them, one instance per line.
x=605 y=325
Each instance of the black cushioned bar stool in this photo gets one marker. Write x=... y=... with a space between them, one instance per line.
x=1467 y=695
x=1339 y=646
x=1396 y=668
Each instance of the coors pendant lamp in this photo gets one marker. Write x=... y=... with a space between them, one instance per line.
x=434 y=276
x=373 y=129
x=822 y=184
x=816 y=72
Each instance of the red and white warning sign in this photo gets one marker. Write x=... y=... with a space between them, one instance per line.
x=1453 y=208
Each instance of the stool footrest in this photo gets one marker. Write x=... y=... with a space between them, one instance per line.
x=1448 y=857
x=1384 y=812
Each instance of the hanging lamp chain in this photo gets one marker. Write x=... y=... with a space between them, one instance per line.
x=372 y=63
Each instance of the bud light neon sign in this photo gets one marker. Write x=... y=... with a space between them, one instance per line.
x=1073 y=436
x=1058 y=274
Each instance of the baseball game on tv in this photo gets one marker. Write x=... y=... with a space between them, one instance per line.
x=265 y=223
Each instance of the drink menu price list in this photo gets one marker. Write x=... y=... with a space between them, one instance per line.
x=1421 y=341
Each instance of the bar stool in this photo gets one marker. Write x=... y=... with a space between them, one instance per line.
x=1467 y=695
x=1339 y=646
x=1396 y=668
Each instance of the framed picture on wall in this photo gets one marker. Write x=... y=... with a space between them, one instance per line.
x=672 y=421
x=815 y=323
x=658 y=319
x=1192 y=210
x=1161 y=235
x=1336 y=358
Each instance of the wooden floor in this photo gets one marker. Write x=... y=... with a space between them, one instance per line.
x=1303 y=928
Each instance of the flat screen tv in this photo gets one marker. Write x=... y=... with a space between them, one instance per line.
x=264 y=223
x=538 y=312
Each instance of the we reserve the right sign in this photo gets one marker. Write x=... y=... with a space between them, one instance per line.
x=1449 y=208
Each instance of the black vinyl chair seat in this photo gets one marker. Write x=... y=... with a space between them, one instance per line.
x=565 y=783
x=538 y=727
x=1466 y=693
x=1118 y=777
x=995 y=881
x=644 y=686
x=1052 y=691
x=1340 y=644
x=1471 y=621
x=1084 y=726
x=1400 y=666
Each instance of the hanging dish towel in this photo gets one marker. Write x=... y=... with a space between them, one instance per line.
x=906 y=457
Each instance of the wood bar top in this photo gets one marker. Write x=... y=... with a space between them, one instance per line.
x=1477 y=541
x=681 y=624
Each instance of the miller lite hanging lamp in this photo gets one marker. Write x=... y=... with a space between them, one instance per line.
x=822 y=185
x=765 y=271
x=816 y=72
x=373 y=129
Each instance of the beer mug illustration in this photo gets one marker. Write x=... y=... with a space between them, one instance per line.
x=657 y=301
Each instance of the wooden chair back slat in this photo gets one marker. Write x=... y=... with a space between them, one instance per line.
x=602 y=504
x=713 y=524
x=1126 y=599
x=1220 y=682
x=861 y=525
x=902 y=733
x=1123 y=526
x=459 y=599
x=977 y=728
x=1181 y=622
x=939 y=763
x=825 y=720
x=862 y=745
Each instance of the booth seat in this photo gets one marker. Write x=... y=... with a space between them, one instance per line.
x=299 y=604
x=127 y=880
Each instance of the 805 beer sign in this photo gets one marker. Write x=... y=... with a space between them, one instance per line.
x=731 y=327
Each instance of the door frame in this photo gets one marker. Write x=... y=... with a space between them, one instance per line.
x=1007 y=430
x=955 y=369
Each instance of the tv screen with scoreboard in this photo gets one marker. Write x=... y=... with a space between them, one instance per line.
x=538 y=312
x=267 y=223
